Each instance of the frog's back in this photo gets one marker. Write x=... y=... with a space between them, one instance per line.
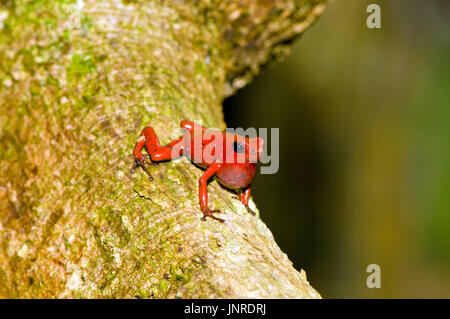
x=195 y=143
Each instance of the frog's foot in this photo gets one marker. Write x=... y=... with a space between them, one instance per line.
x=140 y=161
x=209 y=213
x=246 y=206
x=236 y=197
x=250 y=211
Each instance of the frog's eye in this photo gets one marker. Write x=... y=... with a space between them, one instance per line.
x=238 y=147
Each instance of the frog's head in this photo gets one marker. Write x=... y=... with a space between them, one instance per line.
x=256 y=148
x=248 y=149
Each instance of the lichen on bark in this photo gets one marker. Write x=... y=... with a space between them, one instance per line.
x=78 y=81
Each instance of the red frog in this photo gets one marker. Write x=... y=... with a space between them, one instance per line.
x=231 y=157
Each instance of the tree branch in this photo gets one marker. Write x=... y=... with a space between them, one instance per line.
x=77 y=84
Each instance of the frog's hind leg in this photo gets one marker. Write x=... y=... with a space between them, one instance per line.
x=244 y=198
x=156 y=153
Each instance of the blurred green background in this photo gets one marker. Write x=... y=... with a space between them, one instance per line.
x=364 y=118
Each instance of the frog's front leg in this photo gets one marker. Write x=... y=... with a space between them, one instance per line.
x=244 y=198
x=203 y=192
x=156 y=153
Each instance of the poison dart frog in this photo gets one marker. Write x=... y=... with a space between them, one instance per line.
x=232 y=158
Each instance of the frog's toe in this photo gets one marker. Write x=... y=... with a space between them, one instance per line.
x=250 y=211
x=140 y=161
x=209 y=213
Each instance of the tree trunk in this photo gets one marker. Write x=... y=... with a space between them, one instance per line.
x=78 y=82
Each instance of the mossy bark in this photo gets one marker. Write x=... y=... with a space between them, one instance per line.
x=78 y=82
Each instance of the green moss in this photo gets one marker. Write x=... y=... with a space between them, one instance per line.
x=80 y=66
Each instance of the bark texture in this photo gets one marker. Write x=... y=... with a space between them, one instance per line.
x=78 y=82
